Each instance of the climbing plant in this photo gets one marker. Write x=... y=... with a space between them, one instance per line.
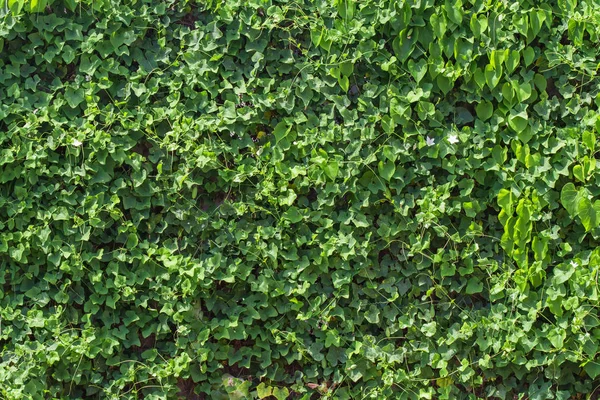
x=299 y=199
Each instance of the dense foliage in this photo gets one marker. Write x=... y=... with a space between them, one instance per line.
x=299 y=199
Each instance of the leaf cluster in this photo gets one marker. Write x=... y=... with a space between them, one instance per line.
x=299 y=199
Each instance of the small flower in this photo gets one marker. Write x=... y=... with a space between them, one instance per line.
x=77 y=143
x=574 y=264
x=430 y=141
x=453 y=139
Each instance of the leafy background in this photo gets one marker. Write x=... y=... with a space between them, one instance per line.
x=299 y=199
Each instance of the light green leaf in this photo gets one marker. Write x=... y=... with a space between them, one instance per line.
x=592 y=368
x=281 y=393
x=523 y=90
x=505 y=200
x=578 y=173
x=331 y=169
x=586 y=213
x=589 y=139
x=557 y=337
x=474 y=286
x=454 y=11
x=293 y=215
x=512 y=61
x=492 y=76
x=439 y=24
x=518 y=121
x=569 y=198
x=344 y=82
x=528 y=56
x=281 y=130
x=429 y=329
x=386 y=170
x=263 y=390
x=418 y=69
x=15 y=6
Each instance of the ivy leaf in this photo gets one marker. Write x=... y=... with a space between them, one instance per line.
x=518 y=121
x=429 y=329
x=404 y=44
x=418 y=69
x=331 y=169
x=74 y=96
x=263 y=390
x=592 y=368
x=578 y=173
x=474 y=286
x=528 y=55
x=569 y=198
x=586 y=213
x=484 y=110
x=281 y=393
x=492 y=75
x=293 y=215
x=454 y=11
x=589 y=139
x=386 y=170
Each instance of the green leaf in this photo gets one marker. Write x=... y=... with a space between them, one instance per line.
x=344 y=83
x=592 y=368
x=15 y=6
x=454 y=11
x=569 y=198
x=74 y=96
x=444 y=83
x=448 y=270
x=507 y=93
x=518 y=121
x=263 y=390
x=439 y=24
x=293 y=215
x=37 y=5
x=578 y=173
x=536 y=19
x=474 y=286
x=522 y=90
x=331 y=169
x=404 y=44
x=418 y=69
x=492 y=75
x=589 y=139
x=281 y=130
x=528 y=56
x=505 y=200
x=484 y=110
x=512 y=61
x=429 y=329
x=386 y=170
x=479 y=77
x=557 y=337
x=497 y=58
x=281 y=393
x=346 y=9
x=586 y=213
x=132 y=241
x=540 y=82
x=347 y=68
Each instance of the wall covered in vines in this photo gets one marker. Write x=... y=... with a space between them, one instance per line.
x=299 y=199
